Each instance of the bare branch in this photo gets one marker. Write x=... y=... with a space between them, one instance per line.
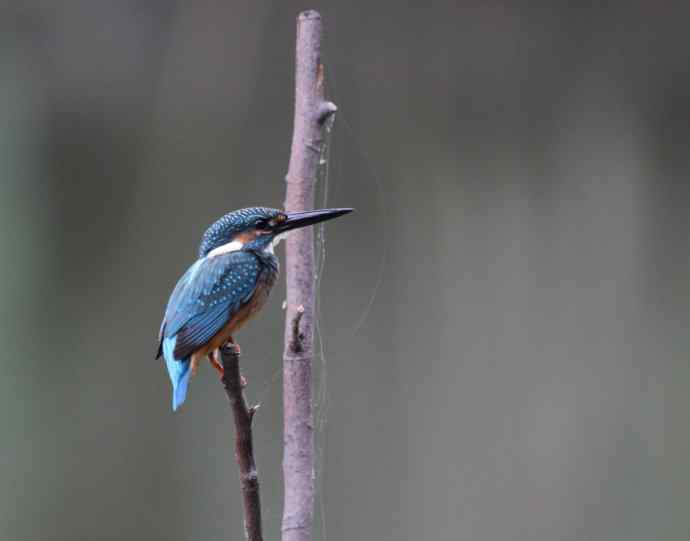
x=244 y=448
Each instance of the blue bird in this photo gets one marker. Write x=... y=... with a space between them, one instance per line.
x=224 y=288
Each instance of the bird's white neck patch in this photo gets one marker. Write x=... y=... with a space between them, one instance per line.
x=270 y=248
x=233 y=246
x=237 y=245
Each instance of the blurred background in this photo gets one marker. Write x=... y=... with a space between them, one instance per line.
x=504 y=319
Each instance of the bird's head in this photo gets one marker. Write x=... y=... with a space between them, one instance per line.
x=258 y=228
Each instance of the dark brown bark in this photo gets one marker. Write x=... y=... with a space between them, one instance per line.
x=311 y=111
x=244 y=448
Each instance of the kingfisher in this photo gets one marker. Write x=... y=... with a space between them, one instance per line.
x=226 y=286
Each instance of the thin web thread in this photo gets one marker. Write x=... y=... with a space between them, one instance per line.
x=350 y=132
x=321 y=404
x=321 y=390
x=384 y=238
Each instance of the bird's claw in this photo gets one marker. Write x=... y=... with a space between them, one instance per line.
x=214 y=358
x=194 y=365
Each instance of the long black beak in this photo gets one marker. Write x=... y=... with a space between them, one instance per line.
x=309 y=217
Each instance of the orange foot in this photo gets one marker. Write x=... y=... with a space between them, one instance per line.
x=194 y=364
x=214 y=358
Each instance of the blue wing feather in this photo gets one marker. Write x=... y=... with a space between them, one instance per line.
x=178 y=370
x=202 y=303
x=208 y=296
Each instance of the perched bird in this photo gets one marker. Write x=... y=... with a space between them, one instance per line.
x=225 y=287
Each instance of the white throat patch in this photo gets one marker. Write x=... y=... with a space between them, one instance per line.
x=270 y=248
x=233 y=246
x=236 y=245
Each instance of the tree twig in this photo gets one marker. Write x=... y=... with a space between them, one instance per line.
x=244 y=448
x=311 y=112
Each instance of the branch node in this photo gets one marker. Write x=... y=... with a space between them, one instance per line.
x=253 y=410
x=230 y=349
x=314 y=147
x=309 y=14
x=297 y=342
x=325 y=111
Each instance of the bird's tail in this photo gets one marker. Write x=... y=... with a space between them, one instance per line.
x=178 y=370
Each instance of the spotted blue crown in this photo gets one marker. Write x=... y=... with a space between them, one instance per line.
x=224 y=229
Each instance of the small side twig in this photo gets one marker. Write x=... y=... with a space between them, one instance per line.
x=297 y=335
x=244 y=448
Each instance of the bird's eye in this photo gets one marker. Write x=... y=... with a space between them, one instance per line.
x=277 y=220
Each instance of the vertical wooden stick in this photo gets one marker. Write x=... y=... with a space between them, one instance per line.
x=311 y=111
